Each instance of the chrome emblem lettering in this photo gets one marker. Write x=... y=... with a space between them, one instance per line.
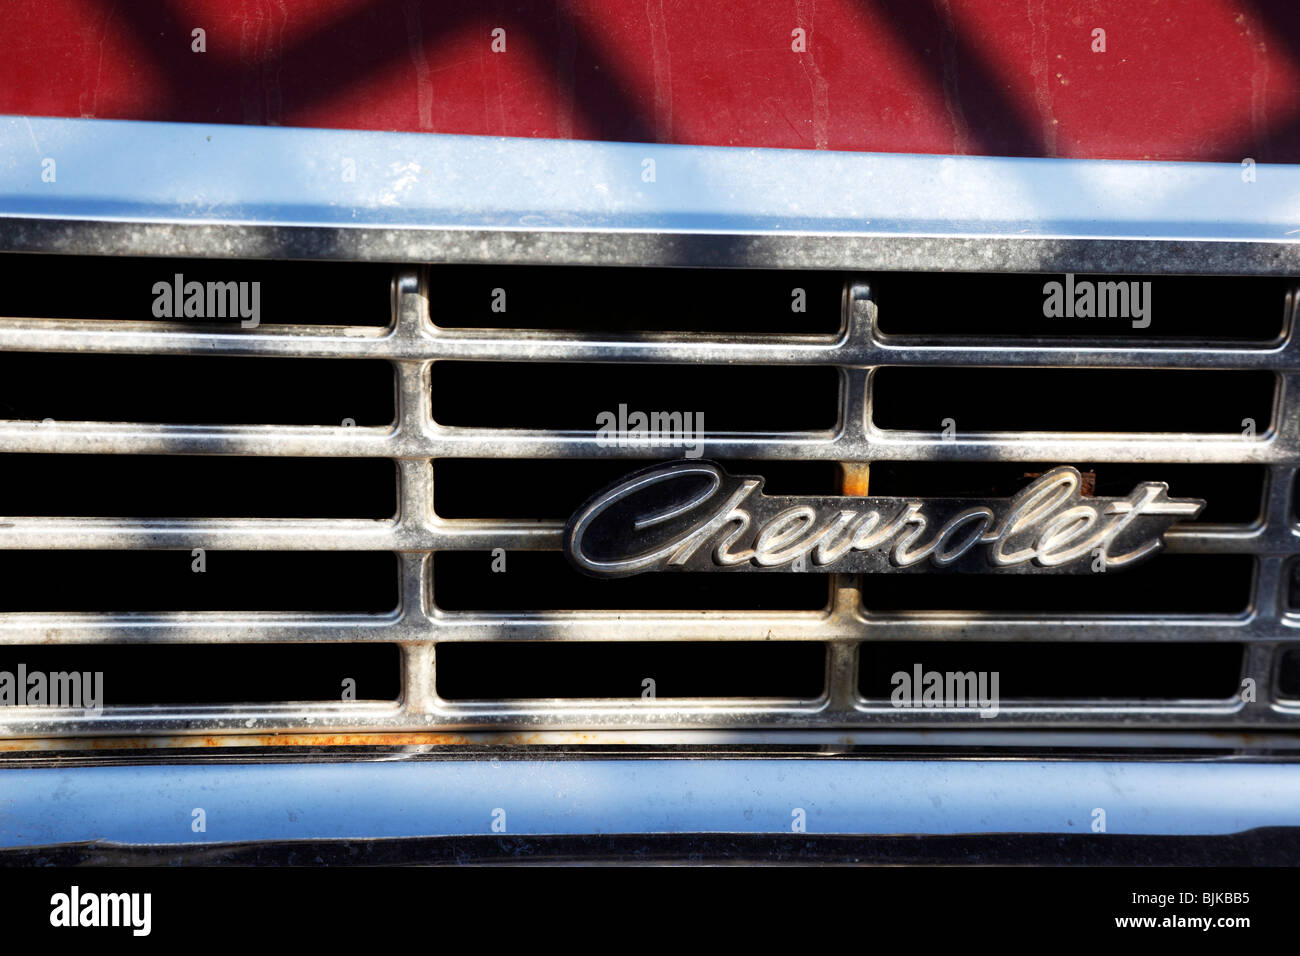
x=693 y=516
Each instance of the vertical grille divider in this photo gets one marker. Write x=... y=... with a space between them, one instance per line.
x=1258 y=663
x=415 y=496
x=846 y=596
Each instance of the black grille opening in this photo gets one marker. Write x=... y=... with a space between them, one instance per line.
x=1288 y=674
x=1073 y=399
x=117 y=288
x=1233 y=494
x=191 y=486
x=1173 y=584
x=194 y=390
x=1293 y=587
x=1246 y=309
x=545 y=581
x=572 y=396
x=508 y=670
x=553 y=488
x=596 y=299
x=363 y=582
x=1077 y=671
x=135 y=675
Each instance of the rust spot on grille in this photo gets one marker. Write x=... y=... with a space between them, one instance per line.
x=1087 y=484
x=855 y=478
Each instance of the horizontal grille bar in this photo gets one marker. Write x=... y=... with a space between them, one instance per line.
x=274 y=534
x=855 y=348
x=274 y=627
x=321 y=442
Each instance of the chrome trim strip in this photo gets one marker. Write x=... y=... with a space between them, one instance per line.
x=174 y=189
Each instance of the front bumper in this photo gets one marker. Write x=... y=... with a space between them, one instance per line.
x=437 y=807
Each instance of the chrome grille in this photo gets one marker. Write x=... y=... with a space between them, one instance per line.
x=413 y=343
x=276 y=195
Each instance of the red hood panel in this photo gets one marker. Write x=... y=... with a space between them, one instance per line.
x=1187 y=80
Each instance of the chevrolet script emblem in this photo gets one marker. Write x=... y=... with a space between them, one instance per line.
x=693 y=516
